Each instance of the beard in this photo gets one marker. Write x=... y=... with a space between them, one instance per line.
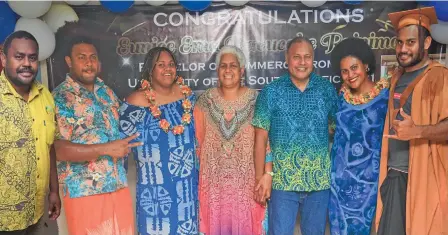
x=414 y=60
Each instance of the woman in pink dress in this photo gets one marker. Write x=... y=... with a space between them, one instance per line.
x=223 y=118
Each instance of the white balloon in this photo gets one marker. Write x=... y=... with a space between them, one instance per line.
x=156 y=2
x=316 y=3
x=43 y=34
x=58 y=14
x=30 y=9
x=237 y=3
x=77 y=2
x=439 y=32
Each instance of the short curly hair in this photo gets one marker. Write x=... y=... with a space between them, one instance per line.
x=18 y=35
x=76 y=40
x=237 y=52
x=355 y=47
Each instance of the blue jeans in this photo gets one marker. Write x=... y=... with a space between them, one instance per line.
x=283 y=208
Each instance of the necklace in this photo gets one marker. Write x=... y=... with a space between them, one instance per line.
x=365 y=97
x=150 y=94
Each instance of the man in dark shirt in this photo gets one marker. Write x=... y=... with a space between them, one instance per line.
x=413 y=181
x=399 y=149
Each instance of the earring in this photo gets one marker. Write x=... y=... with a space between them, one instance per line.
x=367 y=69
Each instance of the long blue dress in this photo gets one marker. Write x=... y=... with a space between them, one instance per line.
x=355 y=159
x=167 y=172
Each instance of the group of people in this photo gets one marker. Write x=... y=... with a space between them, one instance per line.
x=233 y=160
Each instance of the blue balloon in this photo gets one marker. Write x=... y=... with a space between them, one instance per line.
x=352 y=2
x=195 y=5
x=424 y=3
x=441 y=9
x=8 y=19
x=117 y=6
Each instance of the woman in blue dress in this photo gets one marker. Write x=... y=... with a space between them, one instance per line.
x=167 y=175
x=357 y=142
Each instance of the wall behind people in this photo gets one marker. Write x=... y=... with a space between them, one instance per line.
x=261 y=29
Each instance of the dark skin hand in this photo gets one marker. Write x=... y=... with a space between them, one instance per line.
x=54 y=201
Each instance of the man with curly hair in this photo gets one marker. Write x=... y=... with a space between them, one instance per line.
x=91 y=153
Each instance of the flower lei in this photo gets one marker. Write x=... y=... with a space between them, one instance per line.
x=366 y=97
x=155 y=110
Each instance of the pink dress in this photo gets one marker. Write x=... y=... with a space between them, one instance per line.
x=226 y=175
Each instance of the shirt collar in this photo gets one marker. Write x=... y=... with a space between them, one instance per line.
x=7 y=89
x=78 y=89
x=312 y=82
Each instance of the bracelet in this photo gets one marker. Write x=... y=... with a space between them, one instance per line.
x=270 y=173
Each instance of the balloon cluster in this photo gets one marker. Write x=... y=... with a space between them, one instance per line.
x=40 y=18
x=190 y=5
x=43 y=18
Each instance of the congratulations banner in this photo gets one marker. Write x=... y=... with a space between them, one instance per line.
x=261 y=29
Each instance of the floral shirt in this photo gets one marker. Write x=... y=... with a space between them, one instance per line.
x=298 y=123
x=86 y=117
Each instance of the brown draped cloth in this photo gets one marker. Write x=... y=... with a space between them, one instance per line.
x=427 y=192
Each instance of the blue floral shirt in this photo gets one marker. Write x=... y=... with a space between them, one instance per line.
x=86 y=117
x=298 y=126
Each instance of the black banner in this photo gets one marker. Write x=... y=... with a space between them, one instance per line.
x=260 y=29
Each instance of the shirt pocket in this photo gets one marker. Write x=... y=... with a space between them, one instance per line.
x=49 y=124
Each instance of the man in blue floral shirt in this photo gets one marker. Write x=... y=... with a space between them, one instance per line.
x=294 y=112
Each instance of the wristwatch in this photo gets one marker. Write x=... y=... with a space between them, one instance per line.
x=270 y=173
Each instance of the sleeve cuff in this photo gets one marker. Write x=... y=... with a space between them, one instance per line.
x=261 y=124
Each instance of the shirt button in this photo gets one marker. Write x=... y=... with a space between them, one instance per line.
x=38 y=158
x=38 y=176
x=37 y=138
